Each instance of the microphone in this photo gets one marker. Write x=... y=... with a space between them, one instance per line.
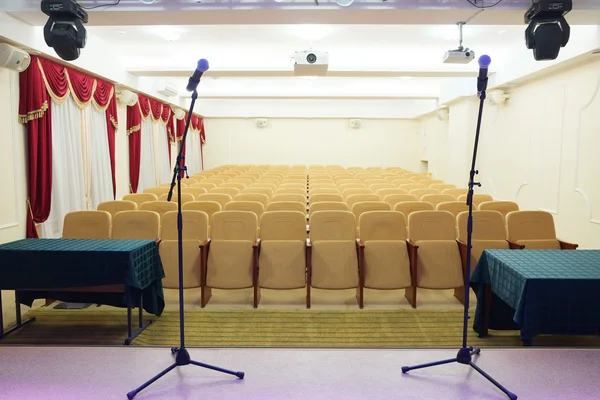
x=482 y=79
x=195 y=78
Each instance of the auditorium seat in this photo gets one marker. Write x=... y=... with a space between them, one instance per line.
x=432 y=182
x=393 y=199
x=207 y=207
x=293 y=186
x=161 y=206
x=157 y=190
x=259 y=185
x=319 y=198
x=198 y=177
x=383 y=257
x=168 y=184
x=269 y=192
x=195 y=238
x=350 y=184
x=354 y=191
x=412 y=186
x=136 y=225
x=401 y=181
x=220 y=198
x=434 y=253
x=287 y=206
x=329 y=206
x=454 y=207
x=87 y=225
x=216 y=181
x=253 y=206
x=194 y=191
x=139 y=198
x=226 y=190
x=292 y=191
x=298 y=198
x=185 y=197
x=455 y=192
x=436 y=199
x=379 y=186
x=422 y=192
x=503 y=207
x=359 y=198
x=534 y=230
x=385 y=192
x=408 y=207
x=323 y=191
x=233 y=253
x=236 y=185
x=332 y=254
x=282 y=260
x=442 y=186
x=477 y=199
x=261 y=198
x=114 y=206
x=359 y=208
x=204 y=185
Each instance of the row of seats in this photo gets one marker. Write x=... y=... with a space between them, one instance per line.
x=390 y=253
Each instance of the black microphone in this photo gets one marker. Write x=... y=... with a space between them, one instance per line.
x=195 y=78
x=482 y=79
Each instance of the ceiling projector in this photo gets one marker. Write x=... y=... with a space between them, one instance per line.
x=459 y=56
x=310 y=63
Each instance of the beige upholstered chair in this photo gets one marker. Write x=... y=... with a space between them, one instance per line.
x=503 y=207
x=271 y=186
x=87 y=225
x=297 y=198
x=359 y=198
x=207 y=207
x=233 y=254
x=436 y=199
x=292 y=191
x=329 y=206
x=290 y=185
x=195 y=242
x=442 y=186
x=477 y=199
x=220 y=198
x=114 y=206
x=379 y=186
x=434 y=253
x=226 y=190
x=351 y=192
x=350 y=185
x=323 y=191
x=168 y=184
x=389 y=191
x=408 y=207
x=319 y=198
x=455 y=207
x=422 y=192
x=161 y=207
x=287 y=206
x=136 y=225
x=260 y=190
x=185 y=197
x=359 y=208
x=236 y=185
x=401 y=182
x=332 y=254
x=376 y=181
x=261 y=198
x=282 y=260
x=330 y=185
x=534 y=230
x=383 y=255
x=204 y=185
x=194 y=191
x=157 y=190
x=432 y=182
x=139 y=198
x=393 y=199
x=253 y=206
x=412 y=186
x=456 y=192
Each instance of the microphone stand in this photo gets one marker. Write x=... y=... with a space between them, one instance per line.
x=465 y=354
x=182 y=357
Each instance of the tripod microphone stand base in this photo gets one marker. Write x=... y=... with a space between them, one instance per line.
x=465 y=356
x=182 y=358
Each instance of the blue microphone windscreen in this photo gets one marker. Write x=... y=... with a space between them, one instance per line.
x=484 y=61
x=202 y=65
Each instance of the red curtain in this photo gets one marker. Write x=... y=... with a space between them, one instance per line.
x=180 y=130
x=35 y=111
x=202 y=141
x=134 y=127
x=112 y=121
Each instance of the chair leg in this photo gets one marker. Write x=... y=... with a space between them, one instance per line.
x=411 y=295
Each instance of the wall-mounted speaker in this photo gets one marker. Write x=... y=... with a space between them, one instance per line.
x=14 y=58
x=355 y=123
x=498 y=97
x=261 y=122
x=443 y=114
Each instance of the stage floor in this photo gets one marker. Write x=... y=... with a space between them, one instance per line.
x=107 y=373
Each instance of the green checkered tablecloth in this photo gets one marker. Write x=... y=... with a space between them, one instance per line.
x=548 y=291
x=47 y=264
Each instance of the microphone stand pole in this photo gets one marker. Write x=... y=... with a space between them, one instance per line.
x=465 y=354
x=182 y=357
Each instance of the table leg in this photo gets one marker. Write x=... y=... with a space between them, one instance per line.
x=487 y=308
x=131 y=334
x=20 y=323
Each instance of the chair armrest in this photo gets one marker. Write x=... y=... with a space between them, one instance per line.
x=158 y=240
x=360 y=244
x=567 y=245
x=462 y=249
x=308 y=242
x=256 y=245
x=515 y=246
x=411 y=244
x=204 y=244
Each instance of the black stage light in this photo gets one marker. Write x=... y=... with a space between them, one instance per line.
x=64 y=30
x=548 y=30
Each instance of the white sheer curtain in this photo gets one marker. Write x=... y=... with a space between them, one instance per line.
x=68 y=184
x=100 y=178
x=192 y=153
x=161 y=152
x=148 y=167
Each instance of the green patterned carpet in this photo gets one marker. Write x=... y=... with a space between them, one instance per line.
x=405 y=328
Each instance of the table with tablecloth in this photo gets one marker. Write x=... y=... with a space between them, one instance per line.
x=40 y=268
x=538 y=292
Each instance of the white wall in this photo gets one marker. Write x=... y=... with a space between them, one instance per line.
x=540 y=149
x=311 y=141
x=13 y=171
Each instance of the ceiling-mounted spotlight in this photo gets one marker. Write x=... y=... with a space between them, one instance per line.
x=344 y=3
x=64 y=30
x=548 y=30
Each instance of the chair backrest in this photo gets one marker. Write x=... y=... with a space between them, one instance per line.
x=140 y=198
x=487 y=225
x=401 y=182
x=194 y=191
x=261 y=185
x=207 y=207
x=87 y=225
x=422 y=192
x=260 y=197
x=160 y=207
x=477 y=199
x=291 y=191
x=412 y=186
x=408 y=207
x=431 y=225
x=377 y=181
x=261 y=190
x=530 y=225
x=236 y=185
x=234 y=225
x=436 y=199
x=283 y=225
x=389 y=191
x=359 y=198
x=344 y=184
x=290 y=185
x=185 y=197
x=204 y=185
x=226 y=190
x=442 y=186
x=332 y=225
x=195 y=225
x=351 y=192
x=252 y=206
x=157 y=190
x=114 y=206
x=393 y=199
x=455 y=207
x=362 y=207
x=329 y=206
x=136 y=225
x=455 y=192
x=503 y=207
x=220 y=198
x=297 y=198
x=382 y=225
x=319 y=198
x=287 y=206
